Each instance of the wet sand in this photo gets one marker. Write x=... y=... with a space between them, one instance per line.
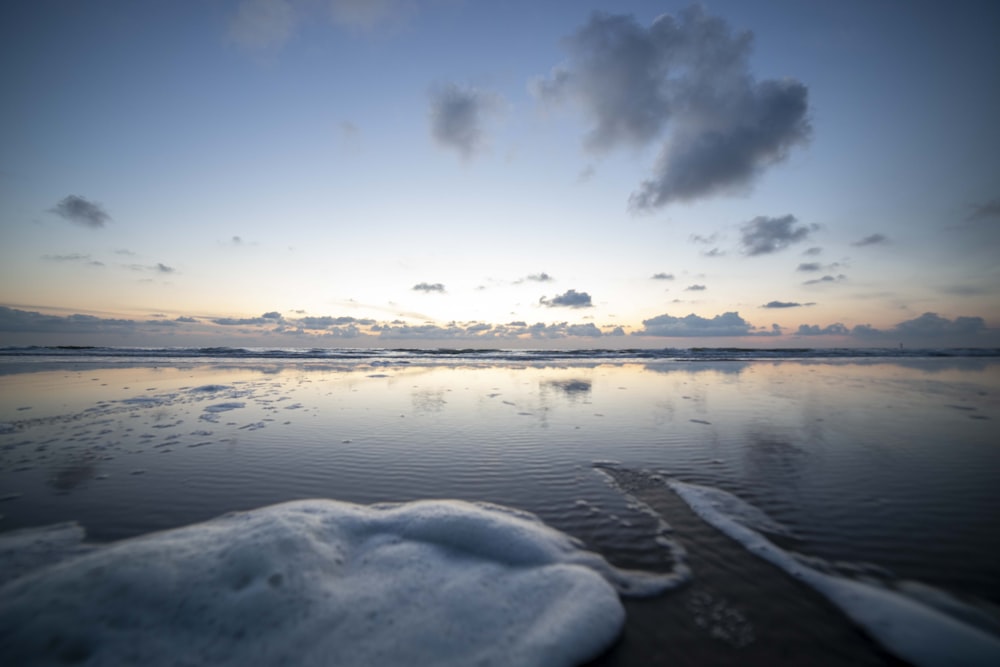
x=737 y=609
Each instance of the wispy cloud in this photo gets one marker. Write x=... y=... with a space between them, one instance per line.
x=569 y=299
x=428 y=288
x=985 y=211
x=687 y=78
x=367 y=14
x=786 y=304
x=662 y=276
x=458 y=115
x=872 y=239
x=764 y=235
x=81 y=211
x=840 y=277
x=263 y=24
x=695 y=288
x=73 y=257
x=535 y=278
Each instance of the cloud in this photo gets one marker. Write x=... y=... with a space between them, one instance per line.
x=990 y=209
x=428 y=287
x=185 y=320
x=929 y=326
x=81 y=211
x=812 y=251
x=933 y=325
x=695 y=288
x=837 y=329
x=569 y=299
x=686 y=84
x=263 y=24
x=328 y=322
x=457 y=115
x=536 y=278
x=810 y=267
x=826 y=279
x=662 y=276
x=24 y=321
x=163 y=268
x=873 y=239
x=786 y=304
x=726 y=324
x=272 y=317
x=764 y=235
x=73 y=257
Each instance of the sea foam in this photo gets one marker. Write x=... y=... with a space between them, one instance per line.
x=904 y=626
x=316 y=582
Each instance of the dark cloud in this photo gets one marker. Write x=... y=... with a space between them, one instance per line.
x=662 y=276
x=24 y=321
x=926 y=326
x=457 y=115
x=272 y=317
x=826 y=279
x=537 y=278
x=569 y=299
x=810 y=267
x=428 y=287
x=786 y=304
x=764 y=235
x=990 y=209
x=482 y=331
x=714 y=252
x=185 y=320
x=81 y=211
x=684 y=82
x=327 y=322
x=933 y=325
x=727 y=324
x=695 y=288
x=812 y=252
x=872 y=239
x=163 y=268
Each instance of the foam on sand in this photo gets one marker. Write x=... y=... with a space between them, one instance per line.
x=318 y=582
x=904 y=626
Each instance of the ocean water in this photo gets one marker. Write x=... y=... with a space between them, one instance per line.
x=767 y=488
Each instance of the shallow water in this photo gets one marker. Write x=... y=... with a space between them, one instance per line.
x=879 y=470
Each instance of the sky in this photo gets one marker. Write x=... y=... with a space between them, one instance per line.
x=424 y=173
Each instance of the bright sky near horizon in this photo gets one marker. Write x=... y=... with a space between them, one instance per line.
x=501 y=174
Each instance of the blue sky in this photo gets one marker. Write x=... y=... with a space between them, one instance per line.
x=518 y=174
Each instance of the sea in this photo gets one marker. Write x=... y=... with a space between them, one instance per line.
x=766 y=506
